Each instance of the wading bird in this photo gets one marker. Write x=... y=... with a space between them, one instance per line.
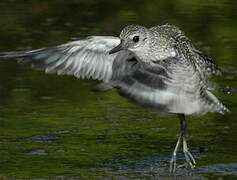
x=155 y=67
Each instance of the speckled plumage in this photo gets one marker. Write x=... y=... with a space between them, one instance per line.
x=155 y=67
x=171 y=74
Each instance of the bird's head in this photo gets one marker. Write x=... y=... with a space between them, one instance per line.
x=149 y=45
x=133 y=38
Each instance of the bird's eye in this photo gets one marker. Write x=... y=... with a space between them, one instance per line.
x=135 y=39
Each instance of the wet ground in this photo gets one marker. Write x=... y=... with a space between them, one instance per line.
x=55 y=127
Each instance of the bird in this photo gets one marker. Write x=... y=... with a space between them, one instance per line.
x=156 y=67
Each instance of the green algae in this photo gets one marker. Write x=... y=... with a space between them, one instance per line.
x=103 y=135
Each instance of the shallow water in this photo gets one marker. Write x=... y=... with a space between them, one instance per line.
x=56 y=127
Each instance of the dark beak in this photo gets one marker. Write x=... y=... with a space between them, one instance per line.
x=116 y=49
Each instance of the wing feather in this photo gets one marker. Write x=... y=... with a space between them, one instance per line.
x=171 y=86
x=82 y=58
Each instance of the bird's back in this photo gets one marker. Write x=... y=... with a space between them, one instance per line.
x=182 y=43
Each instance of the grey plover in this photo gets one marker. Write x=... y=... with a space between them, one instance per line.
x=155 y=67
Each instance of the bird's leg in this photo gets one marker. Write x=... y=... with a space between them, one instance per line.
x=188 y=156
x=173 y=158
x=182 y=139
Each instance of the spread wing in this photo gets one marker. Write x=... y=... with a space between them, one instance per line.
x=82 y=58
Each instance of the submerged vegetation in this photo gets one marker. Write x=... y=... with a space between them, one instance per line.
x=55 y=126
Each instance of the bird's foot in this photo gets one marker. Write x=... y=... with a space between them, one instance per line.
x=190 y=159
x=190 y=162
x=188 y=156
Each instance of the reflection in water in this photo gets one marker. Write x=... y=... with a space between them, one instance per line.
x=109 y=137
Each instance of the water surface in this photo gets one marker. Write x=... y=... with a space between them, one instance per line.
x=56 y=127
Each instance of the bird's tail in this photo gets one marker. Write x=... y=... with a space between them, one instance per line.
x=216 y=105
